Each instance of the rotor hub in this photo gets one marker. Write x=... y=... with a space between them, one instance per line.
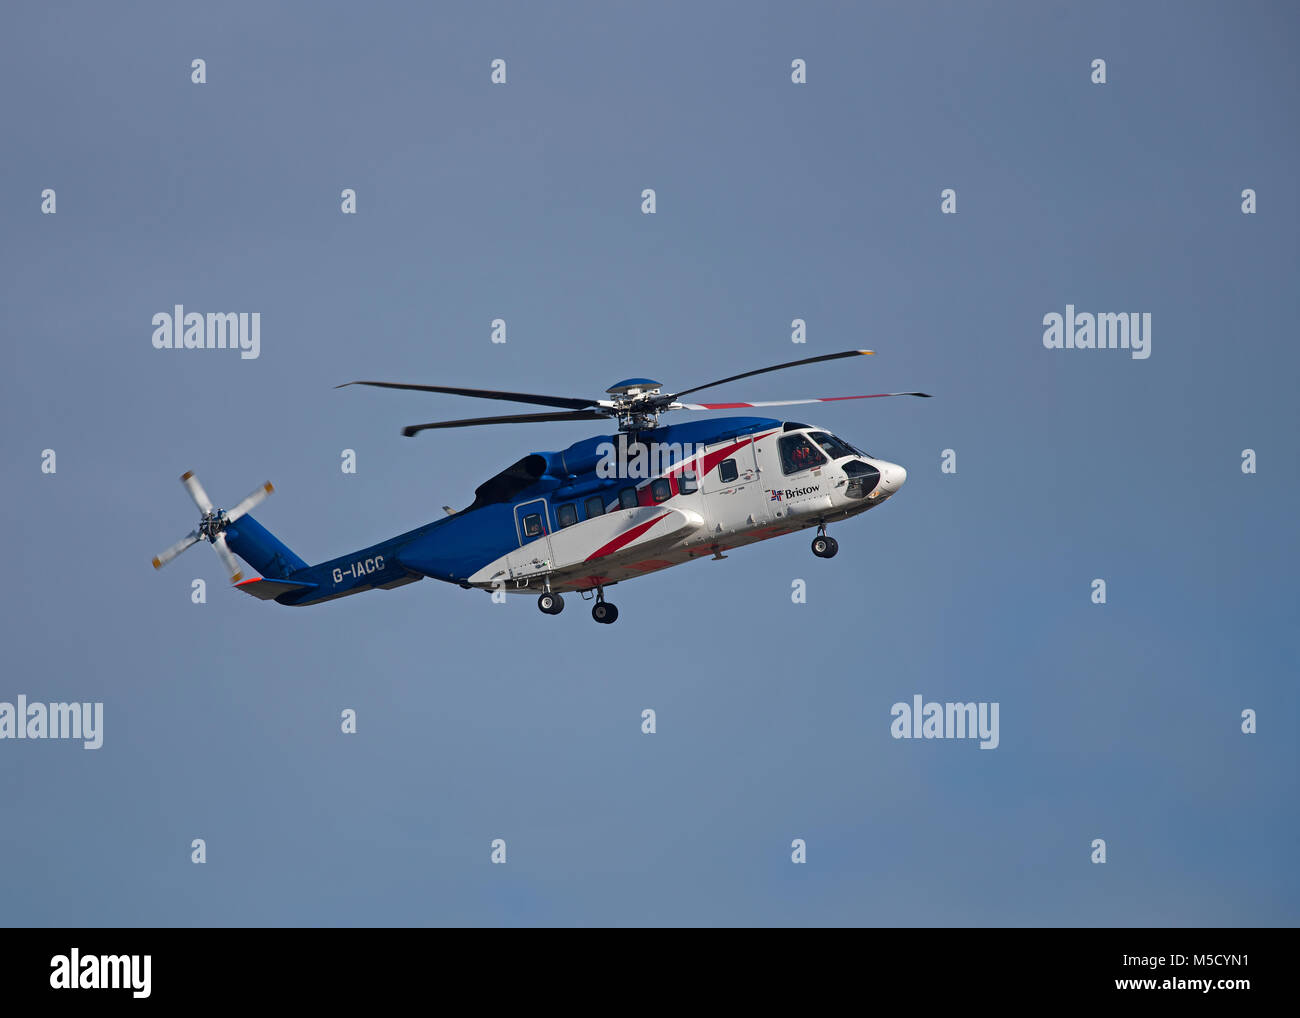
x=633 y=387
x=213 y=523
x=637 y=403
x=638 y=420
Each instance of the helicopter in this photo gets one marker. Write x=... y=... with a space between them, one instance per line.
x=603 y=511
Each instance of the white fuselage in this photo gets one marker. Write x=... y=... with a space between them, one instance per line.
x=747 y=489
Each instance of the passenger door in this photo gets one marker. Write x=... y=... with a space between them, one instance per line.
x=733 y=493
x=766 y=475
x=533 y=527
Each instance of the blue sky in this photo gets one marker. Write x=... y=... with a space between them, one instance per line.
x=775 y=201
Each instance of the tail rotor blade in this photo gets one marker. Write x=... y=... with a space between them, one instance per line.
x=196 y=491
x=228 y=558
x=161 y=560
x=252 y=500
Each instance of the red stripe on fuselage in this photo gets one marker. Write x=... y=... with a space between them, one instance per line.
x=707 y=462
x=712 y=459
x=624 y=539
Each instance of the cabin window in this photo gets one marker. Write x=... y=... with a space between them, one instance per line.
x=797 y=453
x=627 y=498
x=661 y=490
x=686 y=483
x=727 y=471
x=595 y=506
x=532 y=525
x=566 y=515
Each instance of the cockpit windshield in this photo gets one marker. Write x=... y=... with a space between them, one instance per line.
x=835 y=448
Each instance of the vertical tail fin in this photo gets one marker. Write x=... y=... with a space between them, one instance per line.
x=261 y=549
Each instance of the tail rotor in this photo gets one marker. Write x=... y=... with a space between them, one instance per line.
x=212 y=525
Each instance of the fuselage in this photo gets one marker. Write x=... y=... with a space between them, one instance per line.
x=616 y=506
x=611 y=508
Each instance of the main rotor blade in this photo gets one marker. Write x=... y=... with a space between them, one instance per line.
x=793 y=402
x=161 y=560
x=779 y=367
x=577 y=415
x=568 y=402
x=247 y=504
x=196 y=491
x=228 y=558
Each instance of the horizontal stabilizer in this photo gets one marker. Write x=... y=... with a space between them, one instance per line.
x=269 y=590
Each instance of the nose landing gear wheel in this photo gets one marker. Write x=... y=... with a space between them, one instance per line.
x=825 y=547
x=551 y=604
x=603 y=611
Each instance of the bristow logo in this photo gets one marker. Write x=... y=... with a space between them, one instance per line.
x=221 y=331
x=101 y=972
x=776 y=497
x=83 y=721
x=793 y=493
x=1107 y=331
x=945 y=721
x=643 y=460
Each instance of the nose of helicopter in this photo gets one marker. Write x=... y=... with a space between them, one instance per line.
x=892 y=477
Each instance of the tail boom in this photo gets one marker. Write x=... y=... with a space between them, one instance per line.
x=288 y=580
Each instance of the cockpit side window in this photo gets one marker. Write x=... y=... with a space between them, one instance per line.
x=833 y=446
x=797 y=453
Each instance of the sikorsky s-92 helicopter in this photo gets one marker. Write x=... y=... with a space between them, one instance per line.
x=602 y=511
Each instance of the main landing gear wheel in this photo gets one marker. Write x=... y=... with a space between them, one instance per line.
x=551 y=604
x=603 y=611
x=825 y=547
